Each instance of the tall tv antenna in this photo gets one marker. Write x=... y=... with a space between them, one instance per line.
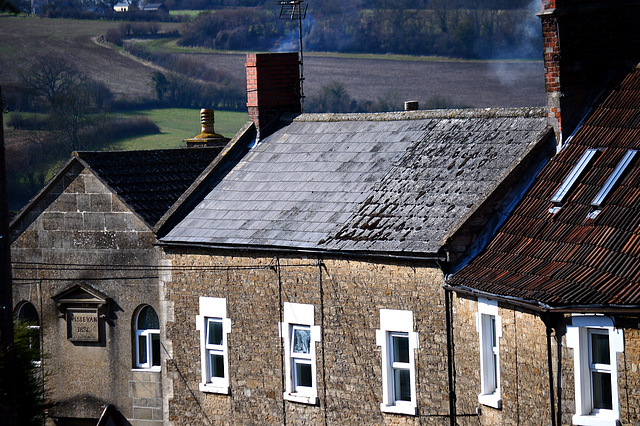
x=295 y=9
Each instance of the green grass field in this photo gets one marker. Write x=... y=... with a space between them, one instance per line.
x=177 y=124
x=192 y=14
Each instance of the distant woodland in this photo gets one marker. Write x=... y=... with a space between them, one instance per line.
x=470 y=29
x=489 y=29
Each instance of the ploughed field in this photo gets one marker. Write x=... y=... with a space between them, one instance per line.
x=477 y=84
x=457 y=83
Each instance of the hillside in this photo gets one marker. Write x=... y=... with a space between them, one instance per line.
x=22 y=39
x=457 y=83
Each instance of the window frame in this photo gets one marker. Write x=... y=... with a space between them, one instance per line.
x=397 y=323
x=214 y=349
x=213 y=309
x=579 y=339
x=297 y=316
x=489 y=327
x=33 y=325
x=613 y=178
x=148 y=335
x=587 y=158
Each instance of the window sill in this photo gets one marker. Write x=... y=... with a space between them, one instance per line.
x=210 y=388
x=399 y=409
x=147 y=370
x=491 y=400
x=593 y=420
x=303 y=399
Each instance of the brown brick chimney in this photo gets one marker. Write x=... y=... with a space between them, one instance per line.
x=584 y=42
x=273 y=87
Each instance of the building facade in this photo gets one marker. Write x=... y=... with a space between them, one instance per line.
x=307 y=284
x=546 y=317
x=86 y=273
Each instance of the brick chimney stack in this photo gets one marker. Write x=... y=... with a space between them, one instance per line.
x=273 y=87
x=584 y=42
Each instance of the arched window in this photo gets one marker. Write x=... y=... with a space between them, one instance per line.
x=147 y=329
x=26 y=314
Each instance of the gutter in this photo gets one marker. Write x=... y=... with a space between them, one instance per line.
x=425 y=257
x=541 y=307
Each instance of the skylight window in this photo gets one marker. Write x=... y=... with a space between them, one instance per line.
x=586 y=159
x=614 y=178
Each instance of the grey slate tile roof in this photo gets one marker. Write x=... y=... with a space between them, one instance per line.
x=149 y=181
x=392 y=182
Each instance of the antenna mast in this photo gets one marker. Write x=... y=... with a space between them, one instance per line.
x=295 y=9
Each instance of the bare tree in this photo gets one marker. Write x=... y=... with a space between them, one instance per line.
x=51 y=77
x=72 y=98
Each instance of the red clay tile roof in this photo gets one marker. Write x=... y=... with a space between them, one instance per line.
x=566 y=258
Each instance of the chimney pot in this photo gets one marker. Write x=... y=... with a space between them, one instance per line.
x=208 y=135
x=411 y=106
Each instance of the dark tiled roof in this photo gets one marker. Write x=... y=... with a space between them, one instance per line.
x=394 y=182
x=567 y=258
x=149 y=181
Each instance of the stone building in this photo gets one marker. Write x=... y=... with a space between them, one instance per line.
x=299 y=277
x=86 y=272
x=306 y=284
x=546 y=319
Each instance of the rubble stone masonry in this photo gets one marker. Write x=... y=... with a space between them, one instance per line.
x=347 y=296
x=524 y=370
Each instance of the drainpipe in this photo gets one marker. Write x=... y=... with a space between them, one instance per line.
x=450 y=354
x=552 y=406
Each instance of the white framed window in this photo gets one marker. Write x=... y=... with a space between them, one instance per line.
x=213 y=325
x=300 y=336
x=398 y=343
x=595 y=342
x=147 y=329
x=489 y=326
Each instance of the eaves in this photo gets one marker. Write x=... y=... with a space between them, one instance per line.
x=543 y=308
x=419 y=258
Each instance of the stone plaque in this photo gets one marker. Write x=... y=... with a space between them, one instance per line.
x=83 y=325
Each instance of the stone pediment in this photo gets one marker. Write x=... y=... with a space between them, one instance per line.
x=84 y=308
x=81 y=294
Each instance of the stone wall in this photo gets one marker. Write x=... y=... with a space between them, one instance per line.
x=524 y=370
x=347 y=296
x=79 y=232
x=523 y=363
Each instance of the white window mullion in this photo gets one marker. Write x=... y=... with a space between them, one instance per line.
x=398 y=343
x=489 y=326
x=214 y=326
x=300 y=336
x=147 y=339
x=595 y=342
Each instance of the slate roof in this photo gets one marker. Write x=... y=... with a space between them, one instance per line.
x=392 y=182
x=149 y=181
x=574 y=256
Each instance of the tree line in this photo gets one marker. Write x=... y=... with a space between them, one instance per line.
x=470 y=29
x=454 y=28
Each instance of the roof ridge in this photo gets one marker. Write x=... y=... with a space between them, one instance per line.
x=524 y=112
x=137 y=151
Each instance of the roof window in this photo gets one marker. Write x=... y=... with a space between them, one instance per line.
x=614 y=178
x=587 y=158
